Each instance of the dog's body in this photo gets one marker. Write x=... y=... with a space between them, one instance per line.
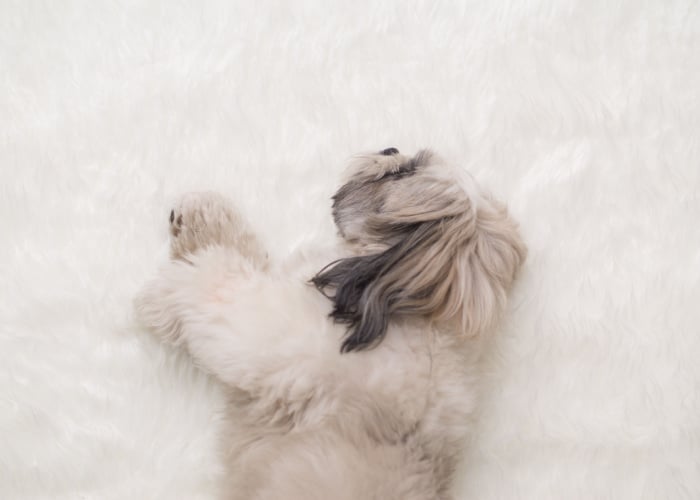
x=374 y=402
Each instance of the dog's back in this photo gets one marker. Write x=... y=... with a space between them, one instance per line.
x=325 y=465
x=392 y=428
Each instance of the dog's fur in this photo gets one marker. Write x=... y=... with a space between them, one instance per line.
x=365 y=390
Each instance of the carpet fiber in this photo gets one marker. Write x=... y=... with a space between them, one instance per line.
x=584 y=116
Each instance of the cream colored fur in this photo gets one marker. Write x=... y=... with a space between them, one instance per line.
x=307 y=422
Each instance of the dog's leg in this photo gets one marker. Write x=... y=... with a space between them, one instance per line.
x=255 y=331
x=209 y=239
x=266 y=337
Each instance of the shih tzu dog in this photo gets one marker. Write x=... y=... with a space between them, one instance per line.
x=351 y=374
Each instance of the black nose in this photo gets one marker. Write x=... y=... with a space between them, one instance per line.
x=389 y=151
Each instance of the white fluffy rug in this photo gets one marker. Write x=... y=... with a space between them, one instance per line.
x=584 y=116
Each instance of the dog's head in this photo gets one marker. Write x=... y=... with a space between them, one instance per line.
x=428 y=243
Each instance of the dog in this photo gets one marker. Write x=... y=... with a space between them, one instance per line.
x=351 y=373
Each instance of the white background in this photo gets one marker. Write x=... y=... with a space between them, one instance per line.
x=584 y=116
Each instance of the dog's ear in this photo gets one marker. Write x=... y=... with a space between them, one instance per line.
x=449 y=260
x=484 y=269
x=367 y=289
x=351 y=279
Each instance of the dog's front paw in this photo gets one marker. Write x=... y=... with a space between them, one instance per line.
x=202 y=219
x=199 y=220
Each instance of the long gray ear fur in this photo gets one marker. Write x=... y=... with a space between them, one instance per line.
x=364 y=293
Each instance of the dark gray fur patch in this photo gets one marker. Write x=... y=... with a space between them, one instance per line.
x=363 y=298
x=351 y=279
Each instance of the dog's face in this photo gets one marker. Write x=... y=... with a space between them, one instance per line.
x=429 y=243
x=373 y=188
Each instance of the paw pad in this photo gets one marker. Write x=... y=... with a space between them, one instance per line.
x=175 y=225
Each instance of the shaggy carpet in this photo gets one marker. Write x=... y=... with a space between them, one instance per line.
x=583 y=115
